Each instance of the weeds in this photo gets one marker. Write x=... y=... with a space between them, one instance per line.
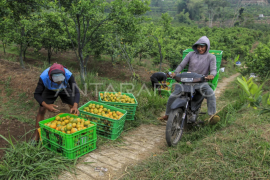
x=7 y=87
x=20 y=107
x=24 y=161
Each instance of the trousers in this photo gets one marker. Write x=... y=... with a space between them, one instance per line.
x=203 y=88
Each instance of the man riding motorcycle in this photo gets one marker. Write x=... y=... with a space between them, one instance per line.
x=202 y=62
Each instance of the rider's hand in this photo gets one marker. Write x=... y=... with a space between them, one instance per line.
x=50 y=107
x=173 y=75
x=210 y=77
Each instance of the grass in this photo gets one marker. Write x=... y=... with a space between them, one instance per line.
x=20 y=107
x=235 y=152
x=235 y=148
x=24 y=161
x=230 y=69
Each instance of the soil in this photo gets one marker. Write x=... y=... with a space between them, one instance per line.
x=13 y=128
x=104 y=68
x=224 y=83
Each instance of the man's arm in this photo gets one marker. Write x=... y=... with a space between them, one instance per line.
x=73 y=85
x=38 y=92
x=213 y=66
x=183 y=64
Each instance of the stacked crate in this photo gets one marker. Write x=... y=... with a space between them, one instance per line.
x=72 y=145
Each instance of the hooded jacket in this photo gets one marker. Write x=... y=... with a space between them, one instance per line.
x=199 y=63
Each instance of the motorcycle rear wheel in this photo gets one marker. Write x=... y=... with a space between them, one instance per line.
x=174 y=130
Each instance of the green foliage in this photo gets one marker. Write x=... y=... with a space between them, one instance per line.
x=258 y=61
x=252 y=90
x=183 y=17
x=254 y=94
x=24 y=161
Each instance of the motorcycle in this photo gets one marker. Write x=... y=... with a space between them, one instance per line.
x=186 y=107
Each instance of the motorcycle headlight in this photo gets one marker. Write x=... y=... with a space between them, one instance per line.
x=186 y=79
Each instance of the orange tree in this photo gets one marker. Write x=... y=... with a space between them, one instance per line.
x=93 y=19
x=26 y=23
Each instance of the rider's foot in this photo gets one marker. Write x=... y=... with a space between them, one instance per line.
x=163 y=118
x=214 y=120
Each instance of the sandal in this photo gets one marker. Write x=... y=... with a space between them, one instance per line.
x=164 y=118
x=213 y=119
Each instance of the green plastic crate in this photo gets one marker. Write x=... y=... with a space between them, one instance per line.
x=104 y=125
x=130 y=108
x=73 y=153
x=217 y=53
x=105 y=121
x=108 y=135
x=213 y=83
x=166 y=93
x=171 y=80
x=67 y=141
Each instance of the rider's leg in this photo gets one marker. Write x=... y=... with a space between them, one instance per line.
x=171 y=99
x=208 y=92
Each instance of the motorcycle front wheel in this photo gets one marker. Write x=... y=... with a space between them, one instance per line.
x=174 y=130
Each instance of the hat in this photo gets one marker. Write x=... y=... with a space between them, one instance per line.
x=58 y=77
x=169 y=73
x=56 y=69
x=202 y=44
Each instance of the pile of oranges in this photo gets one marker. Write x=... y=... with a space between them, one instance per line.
x=116 y=97
x=100 y=110
x=165 y=87
x=69 y=124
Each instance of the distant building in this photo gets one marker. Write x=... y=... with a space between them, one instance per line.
x=259 y=2
x=260 y=15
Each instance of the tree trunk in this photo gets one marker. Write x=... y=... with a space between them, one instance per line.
x=140 y=56
x=4 y=47
x=49 y=55
x=24 y=52
x=112 y=56
x=21 y=57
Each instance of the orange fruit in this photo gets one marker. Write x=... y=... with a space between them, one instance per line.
x=57 y=129
x=63 y=123
x=78 y=125
x=66 y=121
x=74 y=125
x=73 y=130
x=57 y=118
x=69 y=127
x=64 y=118
x=68 y=132
x=53 y=125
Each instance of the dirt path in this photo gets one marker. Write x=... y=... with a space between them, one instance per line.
x=137 y=145
x=223 y=84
